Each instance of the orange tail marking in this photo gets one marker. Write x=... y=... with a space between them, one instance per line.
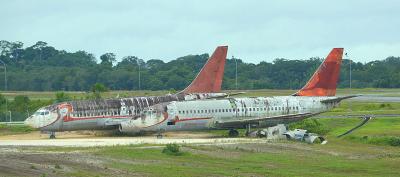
x=209 y=79
x=324 y=80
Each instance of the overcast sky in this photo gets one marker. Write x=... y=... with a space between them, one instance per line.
x=254 y=30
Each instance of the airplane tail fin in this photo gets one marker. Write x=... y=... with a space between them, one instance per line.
x=324 y=80
x=209 y=79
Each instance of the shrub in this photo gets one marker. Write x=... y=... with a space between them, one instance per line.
x=312 y=125
x=172 y=149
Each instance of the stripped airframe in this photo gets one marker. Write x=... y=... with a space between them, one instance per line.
x=317 y=96
x=181 y=113
x=109 y=113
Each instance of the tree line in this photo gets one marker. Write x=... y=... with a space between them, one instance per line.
x=41 y=67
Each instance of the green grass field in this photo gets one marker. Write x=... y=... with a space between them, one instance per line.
x=14 y=129
x=347 y=107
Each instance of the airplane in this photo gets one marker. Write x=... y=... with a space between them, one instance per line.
x=317 y=96
x=108 y=113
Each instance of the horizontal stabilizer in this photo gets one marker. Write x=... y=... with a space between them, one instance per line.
x=338 y=99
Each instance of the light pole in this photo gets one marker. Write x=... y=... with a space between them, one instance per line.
x=5 y=86
x=349 y=78
x=139 y=72
x=235 y=72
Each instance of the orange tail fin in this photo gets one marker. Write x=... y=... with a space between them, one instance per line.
x=209 y=79
x=324 y=80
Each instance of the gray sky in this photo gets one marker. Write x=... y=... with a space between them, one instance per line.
x=254 y=30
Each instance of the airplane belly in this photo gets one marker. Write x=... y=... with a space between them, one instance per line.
x=81 y=125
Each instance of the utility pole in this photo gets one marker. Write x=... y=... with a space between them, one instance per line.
x=5 y=86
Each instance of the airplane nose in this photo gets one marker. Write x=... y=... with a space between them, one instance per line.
x=29 y=122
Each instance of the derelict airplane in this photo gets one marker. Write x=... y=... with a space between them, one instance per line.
x=108 y=113
x=317 y=96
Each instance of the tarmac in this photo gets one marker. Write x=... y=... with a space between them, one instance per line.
x=86 y=142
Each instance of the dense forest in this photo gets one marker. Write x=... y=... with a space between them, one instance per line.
x=41 y=67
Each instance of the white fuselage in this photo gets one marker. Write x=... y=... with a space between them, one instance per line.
x=229 y=113
x=103 y=113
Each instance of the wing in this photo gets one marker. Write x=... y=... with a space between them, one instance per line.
x=261 y=121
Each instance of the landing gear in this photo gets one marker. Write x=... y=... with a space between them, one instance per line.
x=52 y=135
x=233 y=133
x=248 y=129
x=159 y=134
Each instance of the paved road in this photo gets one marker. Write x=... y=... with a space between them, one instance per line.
x=87 y=142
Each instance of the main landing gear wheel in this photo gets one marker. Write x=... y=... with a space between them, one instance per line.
x=52 y=135
x=233 y=133
x=159 y=134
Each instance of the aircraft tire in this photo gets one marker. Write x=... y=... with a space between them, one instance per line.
x=233 y=133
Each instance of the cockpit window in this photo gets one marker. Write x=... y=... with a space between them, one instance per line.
x=41 y=112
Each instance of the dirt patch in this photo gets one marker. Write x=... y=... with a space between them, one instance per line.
x=30 y=163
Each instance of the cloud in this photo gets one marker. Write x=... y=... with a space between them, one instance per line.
x=255 y=30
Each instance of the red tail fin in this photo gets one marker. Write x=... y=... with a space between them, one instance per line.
x=209 y=79
x=324 y=80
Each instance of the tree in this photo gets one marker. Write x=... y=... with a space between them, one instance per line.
x=97 y=89
x=108 y=59
x=62 y=97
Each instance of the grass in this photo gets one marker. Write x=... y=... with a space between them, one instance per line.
x=364 y=108
x=378 y=131
x=153 y=162
x=14 y=129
